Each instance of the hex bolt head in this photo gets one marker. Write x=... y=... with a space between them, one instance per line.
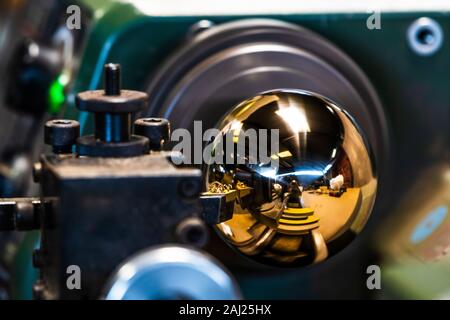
x=193 y=231
x=157 y=130
x=189 y=188
x=62 y=134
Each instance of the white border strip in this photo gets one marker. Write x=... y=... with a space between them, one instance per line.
x=266 y=7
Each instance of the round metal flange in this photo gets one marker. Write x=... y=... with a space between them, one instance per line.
x=92 y=147
x=231 y=62
x=222 y=66
x=171 y=272
x=425 y=36
x=61 y=132
x=98 y=101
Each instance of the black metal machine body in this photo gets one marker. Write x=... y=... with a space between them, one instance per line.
x=94 y=212
x=103 y=212
x=197 y=62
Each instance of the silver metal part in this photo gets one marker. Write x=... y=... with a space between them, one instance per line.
x=323 y=165
x=234 y=61
x=425 y=36
x=171 y=272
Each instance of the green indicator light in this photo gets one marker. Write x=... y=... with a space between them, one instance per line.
x=56 y=95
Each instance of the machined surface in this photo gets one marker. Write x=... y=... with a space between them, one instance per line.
x=318 y=194
x=234 y=61
x=171 y=272
x=104 y=210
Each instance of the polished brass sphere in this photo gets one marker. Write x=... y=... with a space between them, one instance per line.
x=313 y=196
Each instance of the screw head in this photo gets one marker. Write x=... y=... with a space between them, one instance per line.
x=157 y=130
x=61 y=133
x=189 y=188
x=425 y=36
x=193 y=231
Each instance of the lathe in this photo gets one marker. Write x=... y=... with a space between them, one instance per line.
x=159 y=150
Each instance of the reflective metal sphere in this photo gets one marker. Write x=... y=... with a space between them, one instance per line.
x=313 y=196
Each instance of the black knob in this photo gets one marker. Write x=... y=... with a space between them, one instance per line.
x=32 y=69
x=112 y=79
x=61 y=134
x=112 y=99
x=157 y=130
x=112 y=108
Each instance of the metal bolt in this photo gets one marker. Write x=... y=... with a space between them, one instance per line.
x=425 y=36
x=37 y=172
x=25 y=216
x=112 y=127
x=157 y=130
x=193 y=231
x=112 y=79
x=113 y=108
x=189 y=188
x=62 y=134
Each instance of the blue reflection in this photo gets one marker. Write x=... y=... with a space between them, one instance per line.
x=429 y=224
x=314 y=173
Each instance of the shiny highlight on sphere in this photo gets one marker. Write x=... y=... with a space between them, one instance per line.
x=319 y=196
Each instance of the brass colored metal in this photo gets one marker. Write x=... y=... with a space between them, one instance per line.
x=318 y=196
